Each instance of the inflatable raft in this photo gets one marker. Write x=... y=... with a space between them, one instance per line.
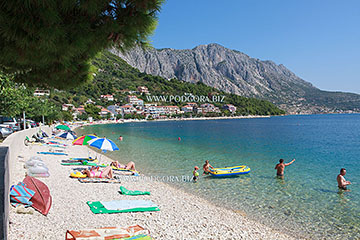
x=229 y=171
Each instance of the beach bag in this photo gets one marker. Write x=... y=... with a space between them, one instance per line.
x=106 y=233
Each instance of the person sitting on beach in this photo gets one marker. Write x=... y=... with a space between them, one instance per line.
x=195 y=173
x=280 y=167
x=129 y=166
x=94 y=172
x=342 y=183
x=206 y=167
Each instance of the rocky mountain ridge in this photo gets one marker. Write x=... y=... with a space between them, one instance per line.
x=235 y=72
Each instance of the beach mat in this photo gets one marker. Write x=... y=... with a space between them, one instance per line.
x=84 y=163
x=87 y=159
x=99 y=180
x=78 y=161
x=52 y=153
x=131 y=232
x=125 y=191
x=120 y=206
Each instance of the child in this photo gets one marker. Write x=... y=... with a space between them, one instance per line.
x=195 y=173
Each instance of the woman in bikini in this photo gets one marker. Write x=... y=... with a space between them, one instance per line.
x=129 y=166
x=94 y=172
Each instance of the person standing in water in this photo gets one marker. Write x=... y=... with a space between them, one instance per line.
x=195 y=173
x=206 y=167
x=342 y=183
x=120 y=138
x=280 y=167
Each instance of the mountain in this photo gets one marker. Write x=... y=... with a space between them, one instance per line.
x=114 y=76
x=235 y=72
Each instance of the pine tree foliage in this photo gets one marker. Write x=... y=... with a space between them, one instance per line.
x=51 y=42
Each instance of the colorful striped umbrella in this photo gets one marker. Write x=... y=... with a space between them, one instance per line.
x=103 y=144
x=83 y=140
x=67 y=135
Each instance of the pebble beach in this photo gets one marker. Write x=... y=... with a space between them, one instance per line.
x=181 y=215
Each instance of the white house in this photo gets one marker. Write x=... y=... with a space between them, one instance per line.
x=67 y=107
x=108 y=97
x=187 y=108
x=39 y=93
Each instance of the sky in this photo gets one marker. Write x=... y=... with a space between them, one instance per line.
x=318 y=40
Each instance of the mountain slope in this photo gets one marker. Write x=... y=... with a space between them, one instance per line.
x=235 y=72
x=114 y=75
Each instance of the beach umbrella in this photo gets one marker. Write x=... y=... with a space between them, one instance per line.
x=63 y=127
x=67 y=135
x=103 y=144
x=83 y=140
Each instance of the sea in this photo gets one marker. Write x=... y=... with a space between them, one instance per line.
x=305 y=203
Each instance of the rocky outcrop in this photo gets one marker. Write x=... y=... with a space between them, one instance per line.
x=234 y=72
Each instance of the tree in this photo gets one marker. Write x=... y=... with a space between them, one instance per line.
x=92 y=111
x=13 y=99
x=66 y=116
x=51 y=43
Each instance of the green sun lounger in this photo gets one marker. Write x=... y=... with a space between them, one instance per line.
x=125 y=191
x=121 y=206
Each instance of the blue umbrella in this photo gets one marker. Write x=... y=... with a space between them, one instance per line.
x=67 y=135
x=103 y=144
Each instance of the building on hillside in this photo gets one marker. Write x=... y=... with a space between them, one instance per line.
x=67 y=107
x=39 y=93
x=147 y=105
x=171 y=110
x=187 y=108
x=192 y=104
x=231 y=108
x=199 y=110
x=143 y=90
x=127 y=109
x=89 y=101
x=104 y=113
x=134 y=100
x=114 y=109
x=78 y=111
x=108 y=97
x=208 y=107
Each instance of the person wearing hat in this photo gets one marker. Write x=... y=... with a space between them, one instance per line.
x=195 y=173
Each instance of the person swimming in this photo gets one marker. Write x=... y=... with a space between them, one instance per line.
x=120 y=138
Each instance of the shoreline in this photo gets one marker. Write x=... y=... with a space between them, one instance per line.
x=181 y=216
x=120 y=121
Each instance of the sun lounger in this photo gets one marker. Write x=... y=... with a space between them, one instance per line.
x=120 y=206
x=125 y=191
x=99 y=180
x=131 y=232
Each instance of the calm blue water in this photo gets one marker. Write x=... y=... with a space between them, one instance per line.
x=307 y=202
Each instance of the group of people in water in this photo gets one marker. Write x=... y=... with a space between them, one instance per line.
x=280 y=167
